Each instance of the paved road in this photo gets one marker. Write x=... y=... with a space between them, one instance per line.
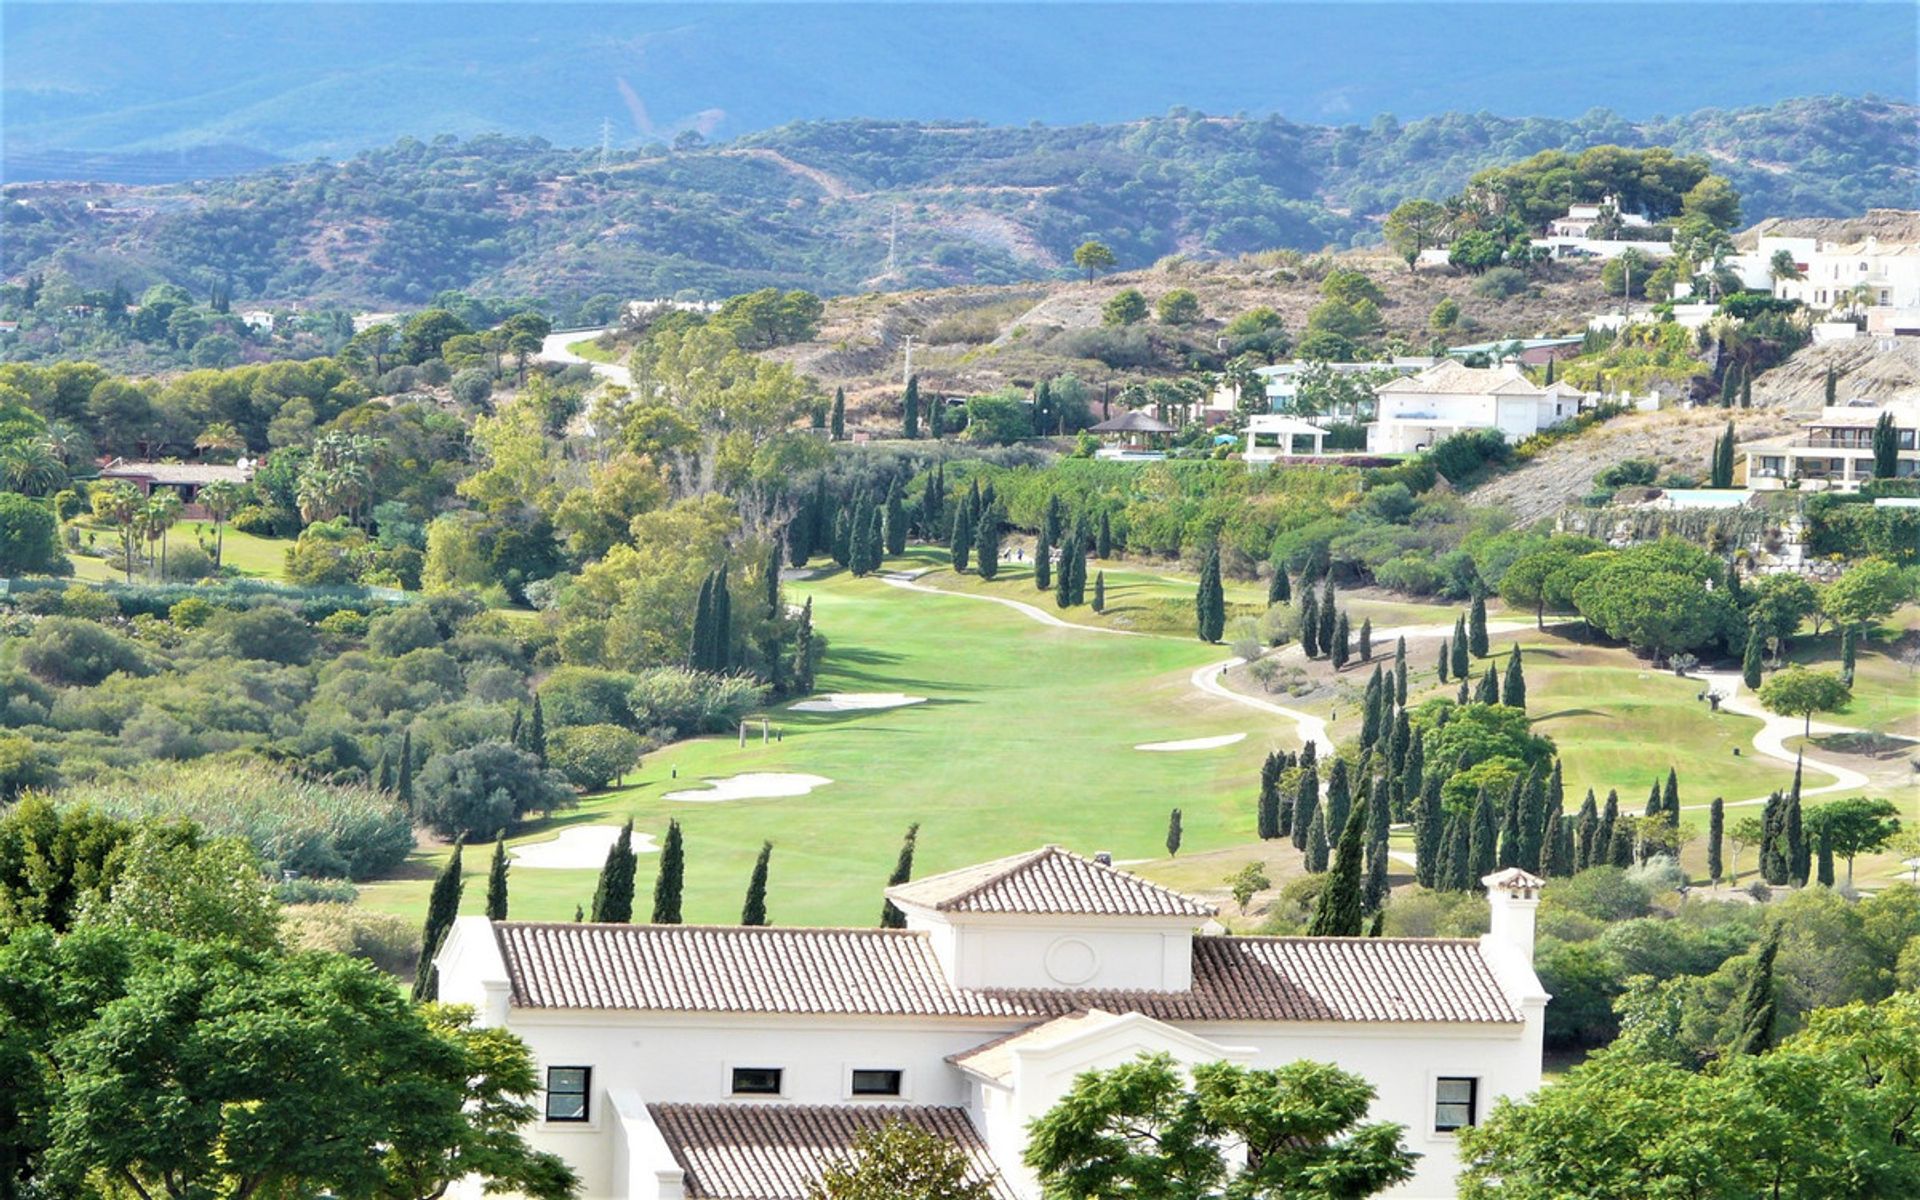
x=553 y=349
x=1773 y=734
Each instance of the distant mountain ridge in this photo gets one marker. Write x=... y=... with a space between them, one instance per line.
x=818 y=204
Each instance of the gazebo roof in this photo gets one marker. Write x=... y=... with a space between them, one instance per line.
x=1277 y=423
x=1132 y=422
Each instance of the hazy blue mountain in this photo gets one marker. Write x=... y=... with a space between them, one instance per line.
x=155 y=91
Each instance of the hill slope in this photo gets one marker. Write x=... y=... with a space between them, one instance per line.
x=813 y=205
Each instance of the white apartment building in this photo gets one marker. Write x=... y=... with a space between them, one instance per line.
x=1880 y=280
x=735 y=1063
x=1415 y=413
x=1834 y=451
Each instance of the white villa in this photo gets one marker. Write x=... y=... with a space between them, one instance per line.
x=1284 y=380
x=1415 y=413
x=1835 y=451
x=734 y=1063
x=1879 y=279
x=1571 y=236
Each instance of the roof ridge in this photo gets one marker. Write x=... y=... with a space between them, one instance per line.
x=1017 y=864
x=757 y=930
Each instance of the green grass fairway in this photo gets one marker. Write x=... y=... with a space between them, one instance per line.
x=251 y=556
x=1027 y=738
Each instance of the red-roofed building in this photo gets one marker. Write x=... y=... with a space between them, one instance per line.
x=734 y=1063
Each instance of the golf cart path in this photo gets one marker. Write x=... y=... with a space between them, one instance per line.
x=556 y=348
x=910 y=581
x=1772 y=737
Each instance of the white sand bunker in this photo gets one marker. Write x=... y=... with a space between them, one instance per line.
x=1206 y=743
x=583 y=847
x=858 y=701
x=756 y=785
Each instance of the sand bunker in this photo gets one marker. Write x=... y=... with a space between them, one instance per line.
x=1206 y=743
x=858 y=701
x=581 y=848
x=757 y=785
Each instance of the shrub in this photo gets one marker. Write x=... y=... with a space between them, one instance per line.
x=997 y=419
x=587 y=696
x=191 y=613
x=345 y=625
x=188 y=562
x=692 y=701
x=292 y=823
x=29 y=538
x=1178 y=307
x=389 y=942
x=315 y=891
x=1604 y=894
x=269 y=633
x=591 y=756
x=258 y=521
x=88 y=603
x=399 y=630
x=66 y=650
x=1500 y=283
x=486 y=788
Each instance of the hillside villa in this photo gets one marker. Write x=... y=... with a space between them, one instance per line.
x=1834 y=451
x=185 y=478
x=1415 y=413
x=1879 y=280
x=734 y=1063
x=1572 y=235
x=1283 y=382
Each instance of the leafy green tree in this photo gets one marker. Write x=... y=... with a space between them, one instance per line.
x=1414 y=225
x=592 y=756
x=1854 y=826
x=1178 y=307
x=754 y=910
x=1869 y=591
x=1139 y=1130
x=1093 y=256
x=1799 y=692
x=497 y=882
x=485 y=788
x=898 y=1161
x=29 y=538
x=670 y=883
x=1340 y=910
x=443 y=905
x=613 y=894
x=890 y=915
x=1127 y=307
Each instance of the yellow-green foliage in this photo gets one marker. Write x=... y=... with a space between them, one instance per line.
x=1643 y=357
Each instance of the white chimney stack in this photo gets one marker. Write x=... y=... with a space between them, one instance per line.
x=1513 y=895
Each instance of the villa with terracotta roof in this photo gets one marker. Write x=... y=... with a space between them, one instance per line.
x=736 y=1063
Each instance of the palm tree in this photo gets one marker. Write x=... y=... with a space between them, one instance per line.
x=119 y=503
x=220 y=437
x=158 y=515
x=30 y=466
x=221 y=499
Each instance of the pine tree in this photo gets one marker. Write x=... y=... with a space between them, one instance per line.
x=1477 y=626
x=1750 y=661
x=754 y=910
x=443 y=905
x=1100 y=591
x=890 y=915
x=1173 y=833
x=1209 y=600
x=671 y=881
x=1329 y=615
x=497 y=881
x=613 y=895
x=1460 y=648
x=1340 y=651
x=1277 y=590
x=1317 y=842
x=1341 y=907
x=910 y=425
x=1306 y=802
x=1103 y=547
x=837 y=424
x=1513 y=690
x=960 y=541
x=403 y=788
x=1586 y=826
x=1309 y=623
x=1366 y=640
x=896 y=522
x=1753 y=1028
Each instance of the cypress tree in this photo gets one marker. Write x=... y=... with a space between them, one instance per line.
x=820 y=537
x=1799 y=847
x=1378 y=831
x=1100 y=591
x=1823 y=843
x=1483 y=850
x=1460 y=876
x=1370 y=712
x=770 y=579
x=1400 y=672
x=1602 y=851
x=1209 y=600
x=1477 y=626
x=1621 y=850
x=890 y=915
x=1513 y=690
x=1533 y=815
x=1309 y=623
x=840 y=544
x=910 y=425
x=1773 y=858
x=1317 y=842
x=1413 y=771
x=1341 y=907
x=1555 y=810
x=1338 y=654
x=613 y=894
x=1329 y=616
x=803 y=650
x=837 y=424
x=960 y=541
x=1063 y=586
x=754 y=910
x=986 y=542
x=1278 y=592
x=1509 y=851
x=1043 y=555
x=1366 y=639
x=1267 y=811
x=1173 y=833
x=403 y=788
x=896 y=523
x=671 y=881
x=1461 y=697
x=1848 y=651
x=1753 y=1029
x=1746 y=401
x=1077 y=591
x=700 y=643
x=384 y=775
x=497 y=881
x=1338 y=799
x=1487 y=691
x=1586 y=826
x=1445 y=659
x=1400 y=741
x=1430 y=832
x=1460 y=648
x=1750 y=661
x=1716 y=833
x=443 y=905
x=1306 y=802
x=1670 y=798
x=1104 y=546
x=1444 y=864
x=937 y=418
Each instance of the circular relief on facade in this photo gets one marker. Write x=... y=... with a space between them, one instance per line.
x=1071 y=961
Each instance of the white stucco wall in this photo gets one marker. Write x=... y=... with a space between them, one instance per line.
x=1009 y=951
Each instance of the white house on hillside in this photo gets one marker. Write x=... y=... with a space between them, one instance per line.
x=734 y=1063
x=1879 y=279
x=1834 y=451
x=1413 y=414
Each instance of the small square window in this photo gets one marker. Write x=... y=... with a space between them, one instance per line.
x=567 y=1089
x=756 y=1081
x=1454 y=1104
x=876 y=1083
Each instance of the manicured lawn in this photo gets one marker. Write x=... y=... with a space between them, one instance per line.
x=591 y=350
x=254 y=557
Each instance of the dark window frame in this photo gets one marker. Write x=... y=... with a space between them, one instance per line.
x=585 y=1093
x=1472 y=1102
x=896 y=1077
x=778 y=1075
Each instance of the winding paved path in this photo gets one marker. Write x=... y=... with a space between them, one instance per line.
x=556 y=348
x=1773 y=734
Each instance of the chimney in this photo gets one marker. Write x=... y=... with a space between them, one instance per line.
x=1103 y=857
x=1513 y=895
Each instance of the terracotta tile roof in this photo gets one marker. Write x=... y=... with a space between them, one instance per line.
x=1047 y=880
x=882 y=972
x=1454 y=378
x=774 y=1151
x=994 y=1060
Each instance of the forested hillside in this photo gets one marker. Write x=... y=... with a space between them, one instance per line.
x=813 y=204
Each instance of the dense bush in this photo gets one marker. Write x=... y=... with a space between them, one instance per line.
x=294 y=824
x=692 y=701
x=67 y=650
x=486 y=788
x=591 y=756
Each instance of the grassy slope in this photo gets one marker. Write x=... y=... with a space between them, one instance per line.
x=253 y=557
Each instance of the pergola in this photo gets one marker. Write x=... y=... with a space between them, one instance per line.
x=1281 y=429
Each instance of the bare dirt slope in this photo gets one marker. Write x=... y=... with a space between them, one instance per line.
x=1887 y=224
x=1872 y=370
x=1679 y=440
